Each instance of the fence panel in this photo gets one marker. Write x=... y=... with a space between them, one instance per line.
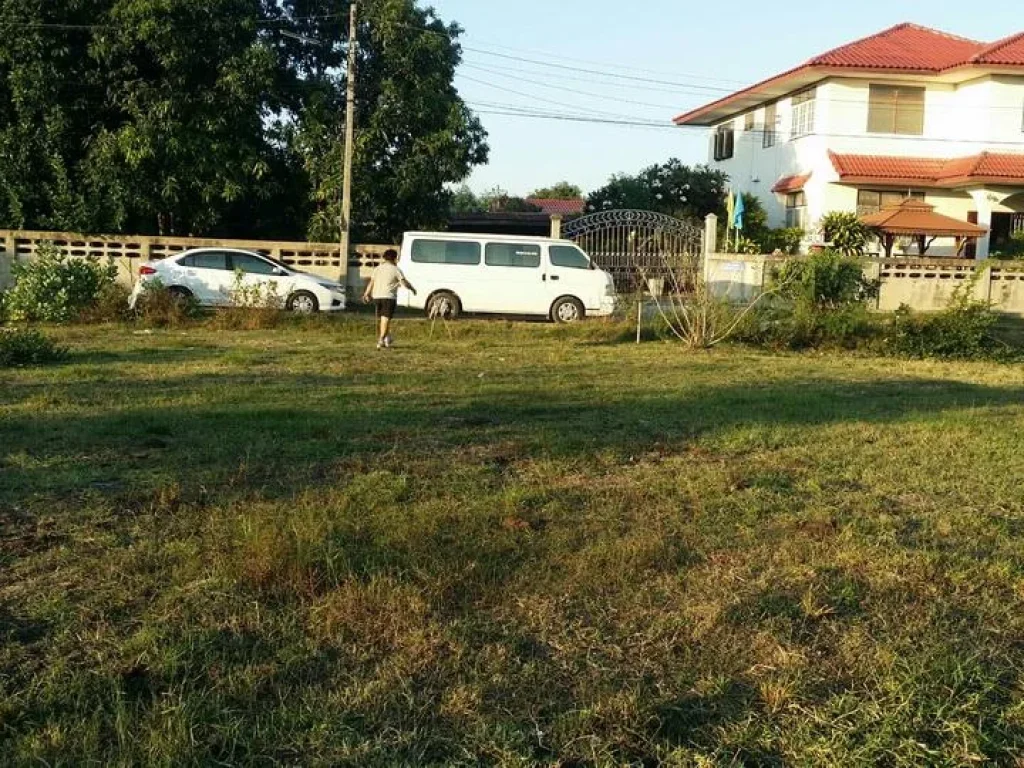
x=128 y=252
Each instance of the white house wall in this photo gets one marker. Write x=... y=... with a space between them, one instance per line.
x=960 y=120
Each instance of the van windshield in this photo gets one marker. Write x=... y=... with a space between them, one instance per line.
x=569 y=257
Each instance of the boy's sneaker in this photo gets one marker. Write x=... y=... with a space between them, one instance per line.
x=380 y=345
x=387 y=342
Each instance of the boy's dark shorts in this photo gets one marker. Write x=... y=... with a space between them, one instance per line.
x=386 y=307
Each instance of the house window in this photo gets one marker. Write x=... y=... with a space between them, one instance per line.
x=748 y=122
x=873 y=200
x=803 y=113
x=896 y=109
x=725 y=139
x=796 y=210
x=770 y=119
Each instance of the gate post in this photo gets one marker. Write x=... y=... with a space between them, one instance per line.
x=556 y=227
x=710 y=234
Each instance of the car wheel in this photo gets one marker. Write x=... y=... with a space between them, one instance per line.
x=567 y=310
x=303 y=303
x=444 y=305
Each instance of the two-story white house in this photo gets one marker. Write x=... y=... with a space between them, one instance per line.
x=908 y=112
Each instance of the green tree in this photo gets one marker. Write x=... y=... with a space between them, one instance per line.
x=415 y=135
x=464 y=201
x=671 y=188
x=563 y=190
x=498 y=200
x=224 y=117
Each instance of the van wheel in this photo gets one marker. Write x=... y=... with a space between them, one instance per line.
x=444 y=305
x=567 y=310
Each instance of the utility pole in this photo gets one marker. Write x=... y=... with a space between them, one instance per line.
x=350 y=136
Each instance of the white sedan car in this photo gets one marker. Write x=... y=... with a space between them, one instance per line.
x=213 y=276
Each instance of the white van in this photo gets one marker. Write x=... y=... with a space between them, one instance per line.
x=503 y=274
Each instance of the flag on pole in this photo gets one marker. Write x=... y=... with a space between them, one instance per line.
x=738 y=210
x=730 y=209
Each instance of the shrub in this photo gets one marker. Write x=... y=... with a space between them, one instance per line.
x=160 y=308
x=825 y=281
x=786 y=240
x=787 y=325
x=252 y=307
x=844 y=232
x=27 y=346
x=53 y=288
x=110 y=305
x=964 y=331
x=1013 y=249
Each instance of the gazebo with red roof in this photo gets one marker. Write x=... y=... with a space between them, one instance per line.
x=918 y=219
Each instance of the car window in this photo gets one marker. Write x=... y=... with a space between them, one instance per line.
x=187 y=261
x=512 y=255
x=251 y=265
x=569 y=256
x=445 y=252
x=211 y=260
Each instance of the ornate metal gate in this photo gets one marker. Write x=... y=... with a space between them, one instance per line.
x=629 y=243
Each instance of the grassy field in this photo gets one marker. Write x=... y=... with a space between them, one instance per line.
x=521 y=545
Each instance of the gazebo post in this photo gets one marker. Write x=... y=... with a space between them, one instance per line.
x=889 y=240
x=921 y=247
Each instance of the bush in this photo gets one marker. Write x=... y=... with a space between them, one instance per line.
x=27 y=346
x=825 y=281
x=786 y=240
x=965 y=331
x=1013 y=249
x=252 y=307
x=53 y=288
x=787 y=325
x=110 y=306
x=158 y=307
x=844 y=232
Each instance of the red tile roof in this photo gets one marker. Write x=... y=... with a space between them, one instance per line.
x=988 y=167
x=915 y=217
x=1008 y=51
x=904 y=48
x=559 y=206
x=788 y=184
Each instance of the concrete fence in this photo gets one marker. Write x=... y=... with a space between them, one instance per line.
x=923 y=284
x=127 y=253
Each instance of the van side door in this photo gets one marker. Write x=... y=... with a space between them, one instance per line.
x=515 y=276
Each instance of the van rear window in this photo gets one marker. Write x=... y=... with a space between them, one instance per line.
x=445 y=252
x=512 y=255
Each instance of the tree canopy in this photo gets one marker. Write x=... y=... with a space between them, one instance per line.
x=670 y=188
x=225 y=117
x=563 y=190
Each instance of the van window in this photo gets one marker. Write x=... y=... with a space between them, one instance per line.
x=445 y=252
x=569 y=256
x=512 y=255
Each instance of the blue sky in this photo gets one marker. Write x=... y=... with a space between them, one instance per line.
x=699 y=48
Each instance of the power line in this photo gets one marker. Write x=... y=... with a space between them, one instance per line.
x=569 y=90
x=538 y=98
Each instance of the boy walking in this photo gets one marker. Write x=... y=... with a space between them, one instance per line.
x=383 y=291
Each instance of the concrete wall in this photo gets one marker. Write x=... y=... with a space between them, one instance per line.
x=925 y=285
x=128 y=253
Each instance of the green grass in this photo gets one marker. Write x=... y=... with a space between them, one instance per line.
x=522 y=545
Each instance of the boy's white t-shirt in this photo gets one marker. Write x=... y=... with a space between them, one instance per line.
x=387 y=279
